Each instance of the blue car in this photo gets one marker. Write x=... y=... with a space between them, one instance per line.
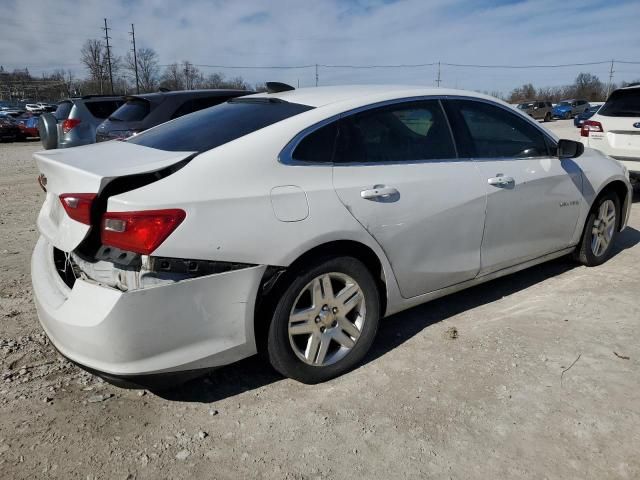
x=578 y=120
x=569 y=108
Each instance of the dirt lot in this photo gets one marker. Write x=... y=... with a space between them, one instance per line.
x=492 y=403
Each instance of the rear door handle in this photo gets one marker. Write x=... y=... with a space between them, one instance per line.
x=378 y=191
x=501 y=181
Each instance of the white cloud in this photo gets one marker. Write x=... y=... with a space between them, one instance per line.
x=45 y=34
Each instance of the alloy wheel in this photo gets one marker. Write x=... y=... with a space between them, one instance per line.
x=326 y=319
x=603 y=228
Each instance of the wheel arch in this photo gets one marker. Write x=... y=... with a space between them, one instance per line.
x=276 y=279
x=620 y=189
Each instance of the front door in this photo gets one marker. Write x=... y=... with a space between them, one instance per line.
x=396 y=171
x=532 y=196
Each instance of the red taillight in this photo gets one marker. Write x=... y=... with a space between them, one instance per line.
x=78 y=206
x=140 y=232
x=590 y=126
x=69 y=124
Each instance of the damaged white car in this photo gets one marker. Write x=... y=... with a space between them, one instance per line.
x=291 y=222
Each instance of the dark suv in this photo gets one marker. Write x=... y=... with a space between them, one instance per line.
x=75 y=120
x=141 y=112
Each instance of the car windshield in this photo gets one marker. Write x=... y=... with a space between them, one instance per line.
x=132 y=111
x=524 y=106
x=215 y=126
x=622 y=103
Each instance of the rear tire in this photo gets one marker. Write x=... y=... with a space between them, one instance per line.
x=600 y=231
x=547 y=117
x=325 y=321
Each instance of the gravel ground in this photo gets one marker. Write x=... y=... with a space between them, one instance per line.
x=532 y=376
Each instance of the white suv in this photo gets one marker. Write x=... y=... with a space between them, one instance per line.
x=615 y=129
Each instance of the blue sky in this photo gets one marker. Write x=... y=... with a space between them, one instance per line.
x=45 y=34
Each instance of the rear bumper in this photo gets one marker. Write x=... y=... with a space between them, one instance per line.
x=188 y=325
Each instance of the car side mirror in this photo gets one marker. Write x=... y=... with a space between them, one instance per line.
x=569 y=149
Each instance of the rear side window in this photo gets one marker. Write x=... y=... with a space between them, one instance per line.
x=218 y=125
x=404 y=132
x=622 y=103
x=63 y=110
x=318 y=146
x=488 y=131
x=131 y=111
x=102 y=109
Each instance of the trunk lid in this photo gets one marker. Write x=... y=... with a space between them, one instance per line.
x=89 y=169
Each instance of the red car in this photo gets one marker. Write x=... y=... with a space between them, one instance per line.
x=28 y=126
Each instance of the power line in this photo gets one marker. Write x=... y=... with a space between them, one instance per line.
x=465 y=65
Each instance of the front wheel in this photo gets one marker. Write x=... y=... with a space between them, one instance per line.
x=325 y=321
x=547 y=117
x=600 y=231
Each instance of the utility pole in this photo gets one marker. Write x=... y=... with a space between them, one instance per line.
x=106 y=38
x=316 y=74
x=438 y=80
x=610 y=80
x=135 y=57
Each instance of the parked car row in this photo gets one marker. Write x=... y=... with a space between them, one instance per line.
x=292 y=222
x=94 y=118
x=15 y=125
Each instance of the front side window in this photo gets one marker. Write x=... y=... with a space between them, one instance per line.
x=483 y=130
x=403 y=132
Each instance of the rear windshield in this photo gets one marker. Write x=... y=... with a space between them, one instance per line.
x=132 y=111
x=622 y=103
x=103 y=108
x=212 y=127
x=63 y=110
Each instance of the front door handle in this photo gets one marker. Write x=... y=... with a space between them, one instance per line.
x=378 y=191
x=501 y=181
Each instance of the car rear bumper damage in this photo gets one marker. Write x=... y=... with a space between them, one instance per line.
x=168 y=325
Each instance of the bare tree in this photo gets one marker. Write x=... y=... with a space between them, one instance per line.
x=93 y=56
x=172 y=77
x=148 y=69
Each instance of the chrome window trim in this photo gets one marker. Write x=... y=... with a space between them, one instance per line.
x=286 y=154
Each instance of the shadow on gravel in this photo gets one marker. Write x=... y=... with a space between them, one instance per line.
x=256 y=372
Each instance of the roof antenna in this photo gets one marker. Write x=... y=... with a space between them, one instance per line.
x=275 y=87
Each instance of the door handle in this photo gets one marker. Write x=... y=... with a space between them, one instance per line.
x=501 y=181
x=378 y=191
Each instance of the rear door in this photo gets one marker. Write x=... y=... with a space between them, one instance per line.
x=397 y=172
x=532 y=196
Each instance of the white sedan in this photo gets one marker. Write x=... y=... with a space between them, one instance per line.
x=292 y=222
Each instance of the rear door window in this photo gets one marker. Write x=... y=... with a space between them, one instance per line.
x=210 y=128
x=405 y=132
x=483 y=130
x=318 y=146
x=63 y=110
x=132 y=111
x=103 y=108
x=622 y=103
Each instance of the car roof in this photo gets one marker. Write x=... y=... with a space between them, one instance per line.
x=364 y=94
